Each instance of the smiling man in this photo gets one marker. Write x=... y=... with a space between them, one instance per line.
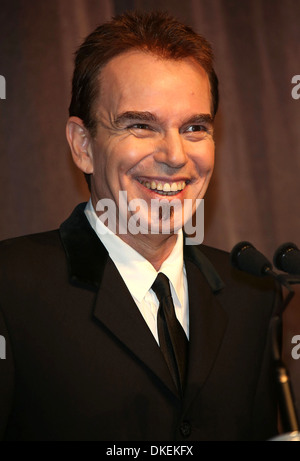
x=125 y=332
x=154 y=139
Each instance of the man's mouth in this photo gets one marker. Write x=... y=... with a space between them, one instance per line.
x=162 y=187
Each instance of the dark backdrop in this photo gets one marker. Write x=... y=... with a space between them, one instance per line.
x=255 y=189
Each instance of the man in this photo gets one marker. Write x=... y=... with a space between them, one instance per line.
x=95 y=349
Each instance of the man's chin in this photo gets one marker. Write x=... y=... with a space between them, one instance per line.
x=149 y=226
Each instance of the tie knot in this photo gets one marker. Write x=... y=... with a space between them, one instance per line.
x=161 y=286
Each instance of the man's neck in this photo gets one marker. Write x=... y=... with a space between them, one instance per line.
x=154 y=248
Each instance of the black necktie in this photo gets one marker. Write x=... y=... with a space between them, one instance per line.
x=172 y=338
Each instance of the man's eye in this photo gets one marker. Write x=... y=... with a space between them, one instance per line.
x=195 y=128
x=140 y=126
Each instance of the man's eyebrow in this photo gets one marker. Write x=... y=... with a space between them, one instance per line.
x=199 y=118
x=134 y=115
x=145 y=116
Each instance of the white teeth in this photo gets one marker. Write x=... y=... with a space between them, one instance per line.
x=166 y=187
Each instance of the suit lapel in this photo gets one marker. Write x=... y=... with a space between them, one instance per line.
x=90 y=267
x=86 y=256
x=116 y=310
x=208 y=320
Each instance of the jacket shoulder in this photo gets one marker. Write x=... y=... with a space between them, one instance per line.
x=220 y=259
x=22 y=256
x=27 y=243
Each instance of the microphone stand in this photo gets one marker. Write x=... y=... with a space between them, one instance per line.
x=244 y=256
x=289 y=419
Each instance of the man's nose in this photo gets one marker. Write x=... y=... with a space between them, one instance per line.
x=171 y=150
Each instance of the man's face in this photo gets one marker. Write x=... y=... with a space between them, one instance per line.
x=154 y=135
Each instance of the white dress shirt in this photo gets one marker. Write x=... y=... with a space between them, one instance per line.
x=139 y=274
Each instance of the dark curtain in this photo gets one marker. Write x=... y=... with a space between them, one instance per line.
x=255 y=189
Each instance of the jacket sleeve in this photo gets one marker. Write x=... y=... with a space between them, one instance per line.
x=6 y=376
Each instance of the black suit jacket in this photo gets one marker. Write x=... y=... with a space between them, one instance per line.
x=81 y=363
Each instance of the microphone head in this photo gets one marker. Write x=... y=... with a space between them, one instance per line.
x=245 y=257
x=287 y=258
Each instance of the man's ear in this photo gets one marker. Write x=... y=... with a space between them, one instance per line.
x=80 y=144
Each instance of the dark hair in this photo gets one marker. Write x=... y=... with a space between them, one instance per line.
x=156 y=32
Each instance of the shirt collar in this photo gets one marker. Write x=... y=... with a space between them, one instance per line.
x=136 y=271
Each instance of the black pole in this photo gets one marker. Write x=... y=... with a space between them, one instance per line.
x=287 y=409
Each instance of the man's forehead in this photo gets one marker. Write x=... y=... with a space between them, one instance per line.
x=137 y=75
x=135 y=58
